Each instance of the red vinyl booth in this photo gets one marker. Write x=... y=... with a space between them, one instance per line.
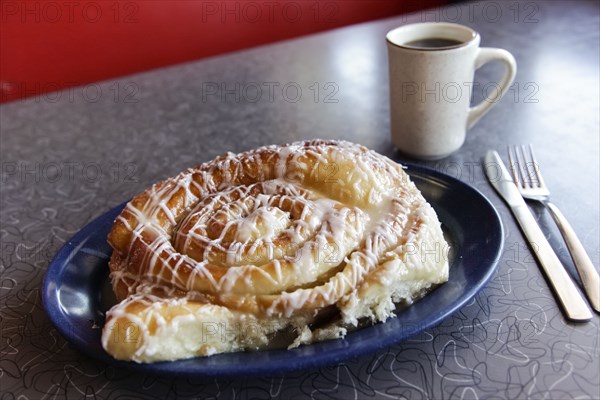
x=51 y=45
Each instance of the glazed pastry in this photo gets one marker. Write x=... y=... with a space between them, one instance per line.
x=299 y=242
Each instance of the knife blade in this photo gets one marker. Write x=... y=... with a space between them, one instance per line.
x=570 y=298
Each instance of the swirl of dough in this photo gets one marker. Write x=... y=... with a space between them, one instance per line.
x=272 y=237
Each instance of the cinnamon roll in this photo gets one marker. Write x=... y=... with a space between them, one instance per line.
x=300 y=242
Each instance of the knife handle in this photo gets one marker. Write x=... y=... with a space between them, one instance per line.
x=570 y=299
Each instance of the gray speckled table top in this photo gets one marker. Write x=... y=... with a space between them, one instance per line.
x=68 y=157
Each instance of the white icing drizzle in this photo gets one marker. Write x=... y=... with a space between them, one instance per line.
x=272 y=232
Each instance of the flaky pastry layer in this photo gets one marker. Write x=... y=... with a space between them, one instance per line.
x=304 y=239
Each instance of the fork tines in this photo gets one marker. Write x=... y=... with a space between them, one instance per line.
x=524 y=167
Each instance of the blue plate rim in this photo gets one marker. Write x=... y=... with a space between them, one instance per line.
x=326 y=353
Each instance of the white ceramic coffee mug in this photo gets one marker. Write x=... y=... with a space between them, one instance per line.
x=432 y=66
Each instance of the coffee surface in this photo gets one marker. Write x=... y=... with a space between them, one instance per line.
x=433 y=43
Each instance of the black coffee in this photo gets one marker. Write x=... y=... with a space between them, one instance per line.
x=431 y=43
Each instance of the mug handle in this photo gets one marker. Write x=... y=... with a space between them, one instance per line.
x=485 y=55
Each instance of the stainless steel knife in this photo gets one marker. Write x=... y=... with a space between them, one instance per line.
x=573 y=304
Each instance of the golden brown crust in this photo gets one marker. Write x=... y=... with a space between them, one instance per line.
x=273 y=234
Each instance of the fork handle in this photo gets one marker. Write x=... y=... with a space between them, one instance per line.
x=572 y=301
x=585 y=268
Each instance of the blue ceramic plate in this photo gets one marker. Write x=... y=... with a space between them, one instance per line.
x=76 y=292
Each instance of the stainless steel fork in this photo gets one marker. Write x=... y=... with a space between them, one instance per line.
x=526 y=174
